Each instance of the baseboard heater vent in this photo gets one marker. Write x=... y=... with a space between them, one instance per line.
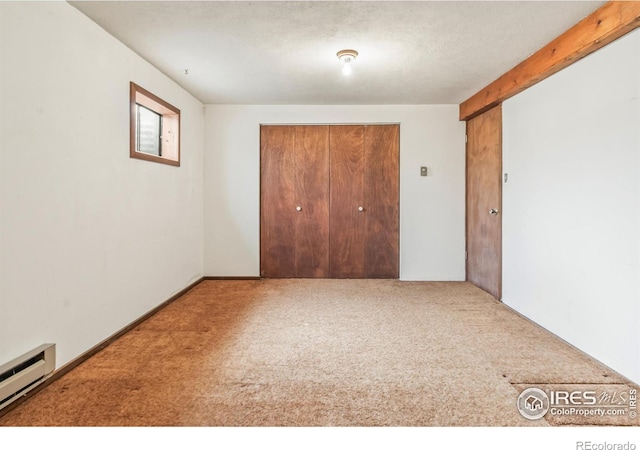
x=24 y=373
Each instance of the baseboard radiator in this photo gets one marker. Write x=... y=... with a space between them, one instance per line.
x=24 y=373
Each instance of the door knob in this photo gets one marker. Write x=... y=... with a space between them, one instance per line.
x=298 y=208
x=493 y=212
x=360 y=208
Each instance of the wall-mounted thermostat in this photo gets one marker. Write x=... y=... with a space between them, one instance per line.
x=423 y=171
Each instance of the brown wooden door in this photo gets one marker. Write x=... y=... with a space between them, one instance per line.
x=277 y=202
x=364 y=212
x=329 y=198
x=312 y=196
x=484 y=201
x=381 y=201
x=347 y=227
x=294 y=201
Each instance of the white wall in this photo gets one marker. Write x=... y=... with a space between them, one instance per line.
x=89 y=239
x=431 y=208
x=571 y=224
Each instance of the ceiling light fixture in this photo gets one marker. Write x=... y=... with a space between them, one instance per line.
x=347 y=56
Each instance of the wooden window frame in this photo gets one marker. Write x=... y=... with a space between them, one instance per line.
x=170 y=141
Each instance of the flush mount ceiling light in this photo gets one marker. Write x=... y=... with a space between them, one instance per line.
x=347 y=56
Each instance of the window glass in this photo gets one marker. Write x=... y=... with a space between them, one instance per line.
x=149 y=131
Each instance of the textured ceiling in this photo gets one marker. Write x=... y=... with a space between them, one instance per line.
x=419 y=52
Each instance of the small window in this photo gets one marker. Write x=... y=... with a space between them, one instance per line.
x=155 y=128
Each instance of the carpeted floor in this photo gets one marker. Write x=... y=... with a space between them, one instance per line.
x=321 y=353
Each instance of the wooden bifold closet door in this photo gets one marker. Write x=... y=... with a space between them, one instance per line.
x=294 y=201
x=364 y=201
x=329 y=201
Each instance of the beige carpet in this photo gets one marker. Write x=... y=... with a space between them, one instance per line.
x=320 y=353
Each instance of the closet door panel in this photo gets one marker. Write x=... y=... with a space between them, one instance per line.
x=382 y=186
x=312 y=196
x=347 y=239
x=277 y=202
x=329 y=201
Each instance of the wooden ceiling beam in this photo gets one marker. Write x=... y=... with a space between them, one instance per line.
x=611 y=21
